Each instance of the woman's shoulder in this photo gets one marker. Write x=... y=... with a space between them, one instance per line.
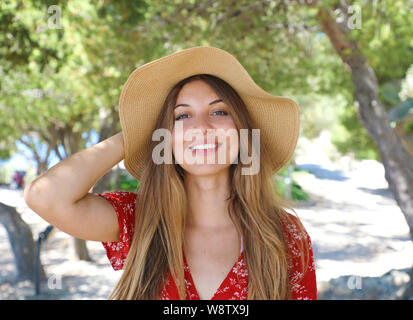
x=297 y=241
x=301 y=264
x=122 y=200
x=293 y=227
x=124 y=204
x=119 y=195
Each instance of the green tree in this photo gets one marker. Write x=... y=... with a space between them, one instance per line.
x=53 y=89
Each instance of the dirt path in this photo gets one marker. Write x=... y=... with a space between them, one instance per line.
x=354 y=222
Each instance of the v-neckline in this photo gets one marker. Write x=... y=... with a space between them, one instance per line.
x=223 y=281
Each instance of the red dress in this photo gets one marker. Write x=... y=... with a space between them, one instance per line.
x=235 y=285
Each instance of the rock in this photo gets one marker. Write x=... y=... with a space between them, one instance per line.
x=390 y=286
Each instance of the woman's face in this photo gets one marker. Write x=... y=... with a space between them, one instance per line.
x=205 y=139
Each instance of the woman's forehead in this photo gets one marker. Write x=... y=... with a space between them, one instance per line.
x=196 y=90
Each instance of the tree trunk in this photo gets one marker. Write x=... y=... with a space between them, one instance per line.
x=41 y=167
x=81 y=250
x=406 y=140
x=102 y=184
x=397 y=163
x=21 y=242
x=42 y=162
x=117 y=177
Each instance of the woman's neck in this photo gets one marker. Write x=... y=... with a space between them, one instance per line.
x=207 y=204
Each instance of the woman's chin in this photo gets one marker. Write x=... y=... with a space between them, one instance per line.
x=206 y=169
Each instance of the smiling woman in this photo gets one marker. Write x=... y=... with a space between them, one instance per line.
x=192 y=230
x=200 y=206
x=209 y=121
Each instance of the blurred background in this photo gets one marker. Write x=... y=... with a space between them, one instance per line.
x=348 y=64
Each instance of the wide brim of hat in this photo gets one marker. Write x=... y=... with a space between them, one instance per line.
x=144 y=93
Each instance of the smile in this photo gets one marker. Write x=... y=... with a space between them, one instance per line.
x=205 y=148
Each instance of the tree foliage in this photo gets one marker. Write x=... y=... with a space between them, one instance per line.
x=66 y=79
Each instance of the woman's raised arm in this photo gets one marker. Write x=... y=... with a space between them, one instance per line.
x=61 y=194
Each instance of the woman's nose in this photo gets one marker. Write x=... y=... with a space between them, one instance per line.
x=202 y=123
x=201 y=126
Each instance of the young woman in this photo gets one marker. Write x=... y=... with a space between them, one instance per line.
x=203 y=229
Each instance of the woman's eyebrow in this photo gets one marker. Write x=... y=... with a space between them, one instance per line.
x=187 y=105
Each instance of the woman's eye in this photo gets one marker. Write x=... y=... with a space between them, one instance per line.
x=180 y=116
x=224 y=113
x=184 y=115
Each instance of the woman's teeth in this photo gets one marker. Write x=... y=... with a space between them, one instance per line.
x=203 y=147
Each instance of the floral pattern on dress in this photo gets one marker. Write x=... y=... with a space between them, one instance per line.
x=124 y=204
x=303 y=285
x=235 y=285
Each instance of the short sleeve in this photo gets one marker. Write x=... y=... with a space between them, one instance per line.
x=302 y=280
x=124 y=204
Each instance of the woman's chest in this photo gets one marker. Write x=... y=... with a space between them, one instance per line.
x=210 y=258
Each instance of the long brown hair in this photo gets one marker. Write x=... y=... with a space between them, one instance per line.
x=254 y=207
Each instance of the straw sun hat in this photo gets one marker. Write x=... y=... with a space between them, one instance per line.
x=145 y=90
